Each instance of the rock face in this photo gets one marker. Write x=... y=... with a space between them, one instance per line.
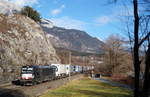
x=72 y=39
x=22 y=42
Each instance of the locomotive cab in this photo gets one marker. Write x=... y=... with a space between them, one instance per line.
x=27 y=75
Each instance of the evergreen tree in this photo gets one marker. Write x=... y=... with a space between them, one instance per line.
x=31 y=13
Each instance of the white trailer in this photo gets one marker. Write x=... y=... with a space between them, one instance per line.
x=67 y=69
x=78 y=68
x=61 y=70
x=72 y=69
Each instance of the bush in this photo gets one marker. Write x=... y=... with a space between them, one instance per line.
x=31 y=13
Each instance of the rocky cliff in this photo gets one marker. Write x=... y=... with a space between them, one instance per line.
x=22 y=42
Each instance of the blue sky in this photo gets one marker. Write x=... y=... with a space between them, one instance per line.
x=96 y=17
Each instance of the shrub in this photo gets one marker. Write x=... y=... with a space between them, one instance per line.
x=31 y=13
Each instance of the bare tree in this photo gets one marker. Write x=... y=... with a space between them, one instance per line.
x=140 y=38
x=115 y=56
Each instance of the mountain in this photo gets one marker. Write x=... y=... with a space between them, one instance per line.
x=71 y=39
x=22 y=42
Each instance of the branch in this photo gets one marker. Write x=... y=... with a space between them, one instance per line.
x=146 y=37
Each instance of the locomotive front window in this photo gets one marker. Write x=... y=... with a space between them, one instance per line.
x=27 y=70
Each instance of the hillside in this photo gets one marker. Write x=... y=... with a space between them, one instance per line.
x=71 y=39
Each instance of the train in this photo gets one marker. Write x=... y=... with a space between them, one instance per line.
x=34 y=74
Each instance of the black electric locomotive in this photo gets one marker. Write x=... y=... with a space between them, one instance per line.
x=36 y=74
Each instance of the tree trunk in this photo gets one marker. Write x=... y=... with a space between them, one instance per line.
x=136 y=49
x=146 y=86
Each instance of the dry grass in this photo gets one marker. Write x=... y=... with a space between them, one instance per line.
x=88 y=88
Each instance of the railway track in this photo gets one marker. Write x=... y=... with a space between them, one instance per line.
x=36 y=90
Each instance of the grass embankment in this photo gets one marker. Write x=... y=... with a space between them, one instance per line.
x=88 y=88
